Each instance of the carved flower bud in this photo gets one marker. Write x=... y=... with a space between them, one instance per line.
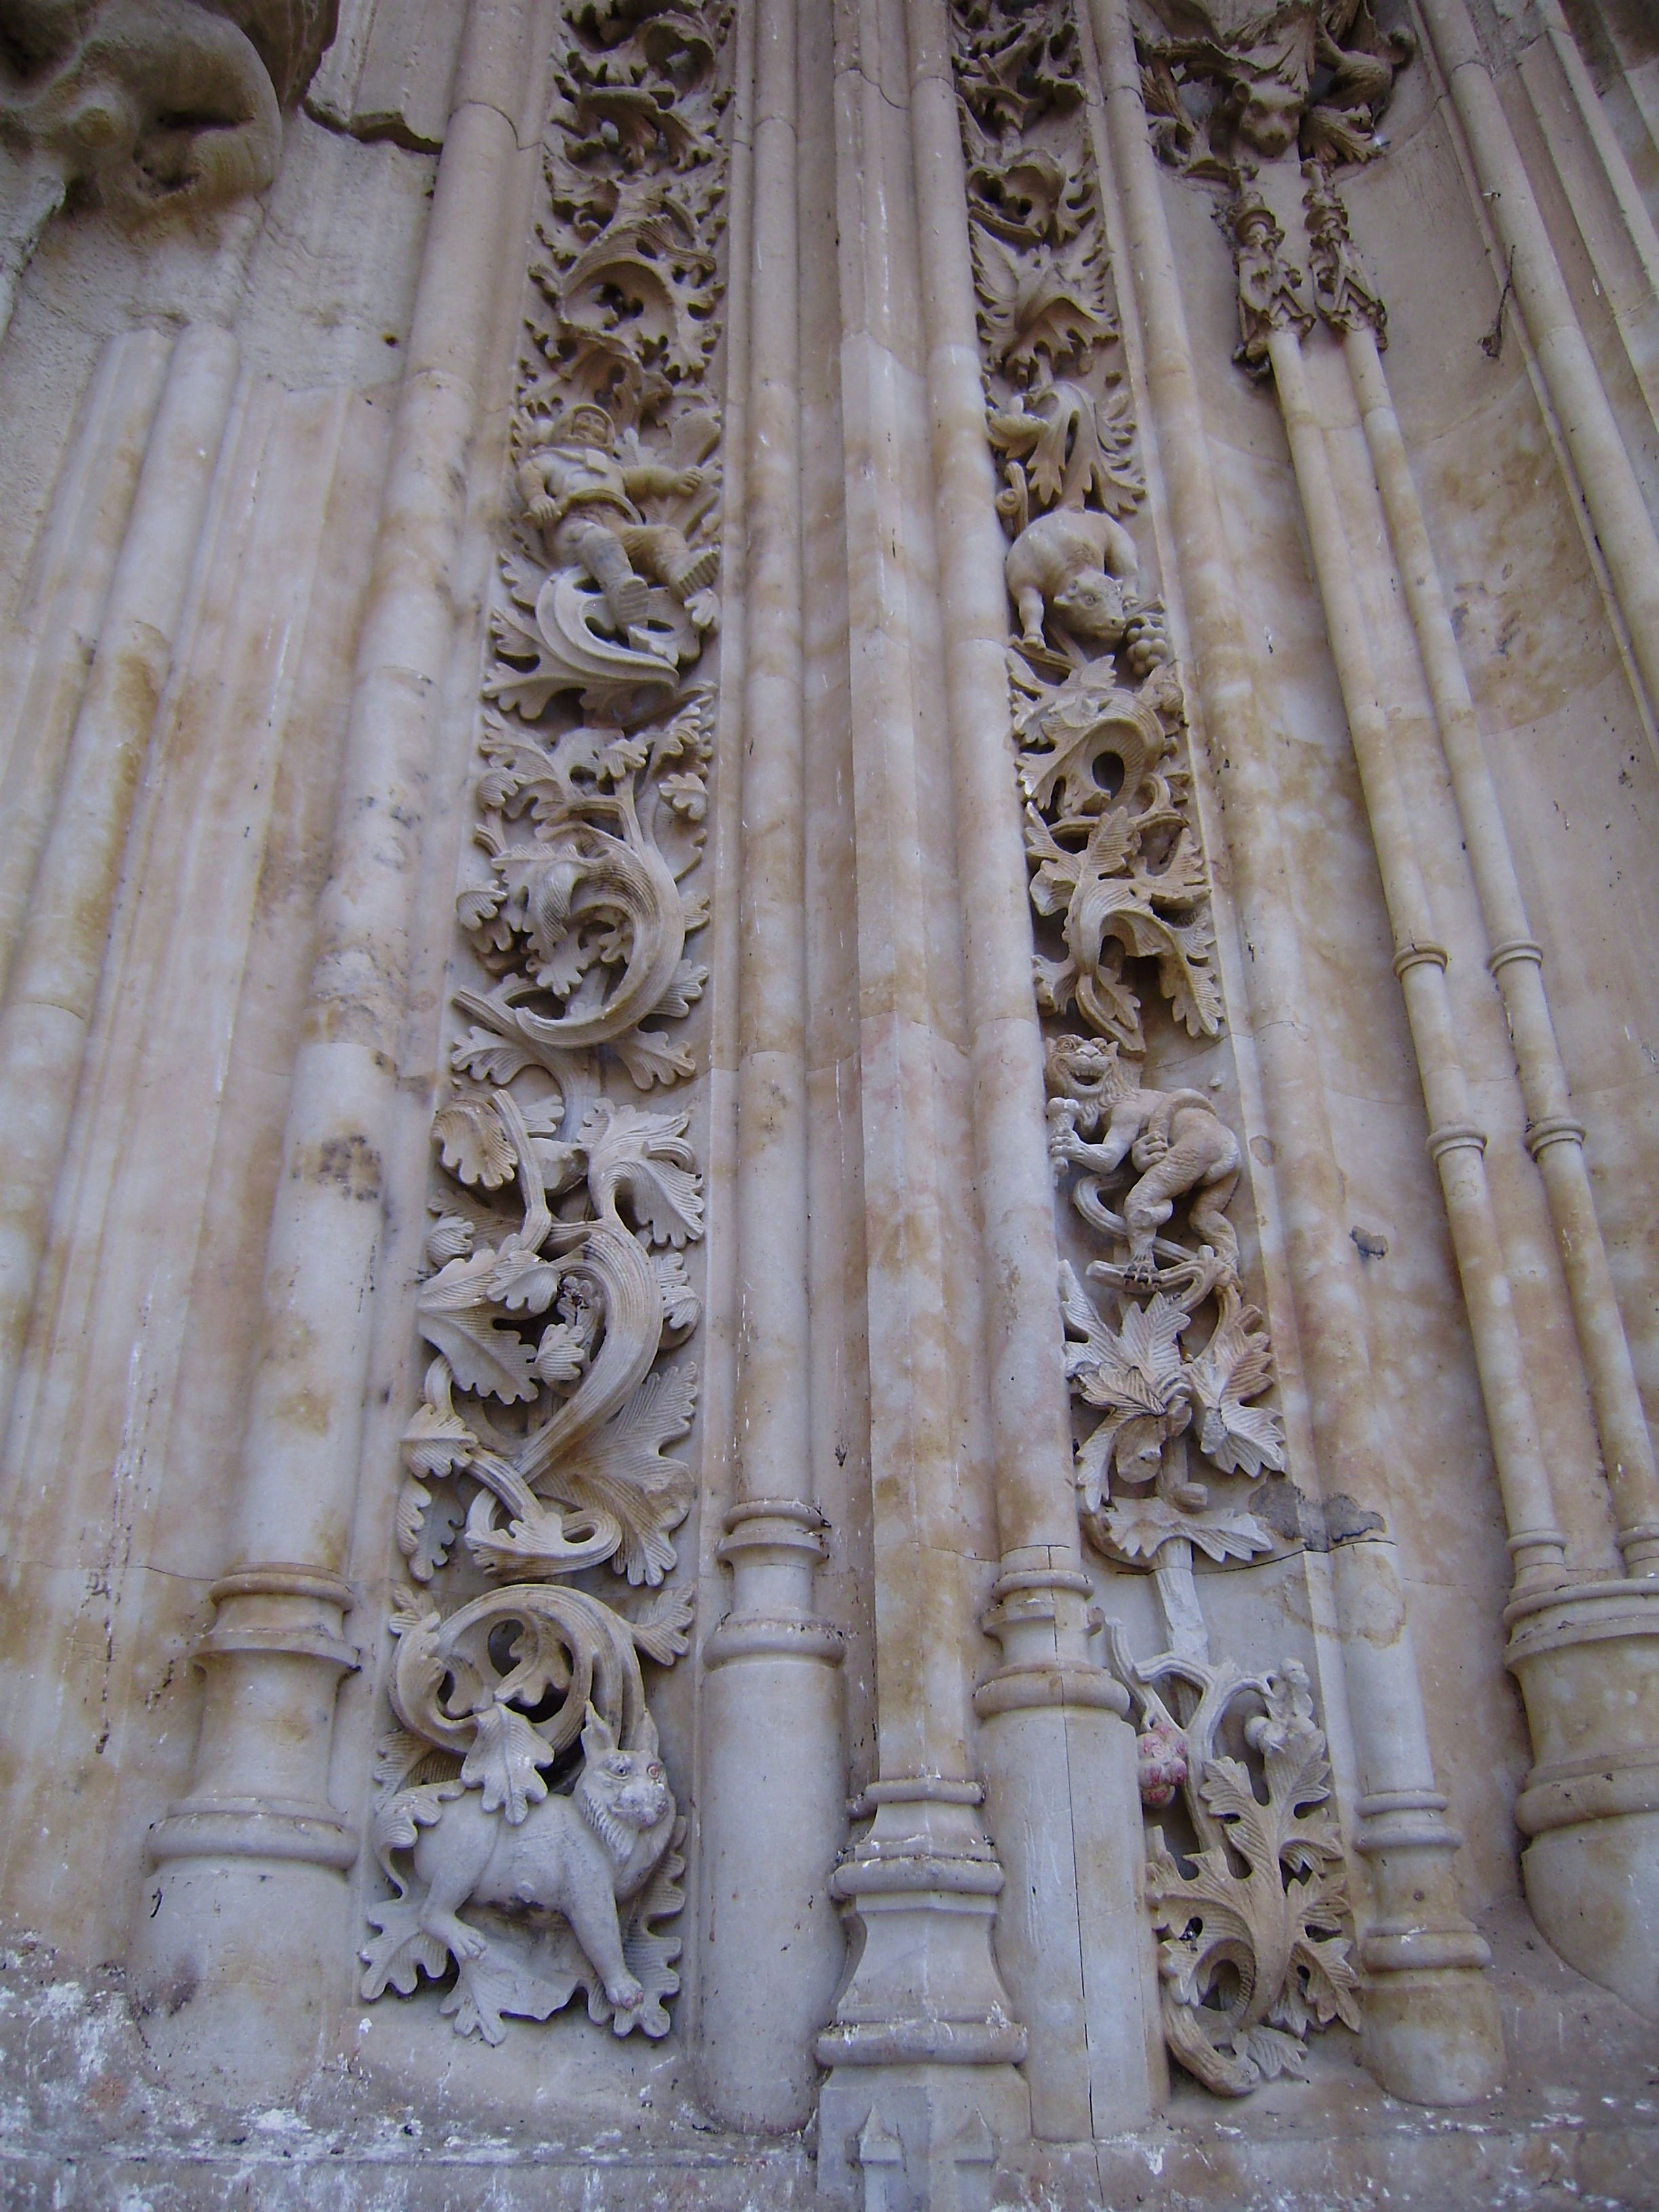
x=1162 y=1761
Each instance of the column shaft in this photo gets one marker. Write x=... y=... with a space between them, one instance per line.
x=1073 y=1937
x=1624 y=528
x=250 y=1892
x=1554 y=1136
x=1457 y=1146
x=774 y=1810
x=54 y=975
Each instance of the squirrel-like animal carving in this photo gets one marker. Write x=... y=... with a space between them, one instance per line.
x=1078 y=567
x=575 y=1855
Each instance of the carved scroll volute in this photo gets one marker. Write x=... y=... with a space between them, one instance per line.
x=558 y=1289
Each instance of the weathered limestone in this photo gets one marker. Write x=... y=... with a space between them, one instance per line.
x=827 y=1020
x=275 y=1654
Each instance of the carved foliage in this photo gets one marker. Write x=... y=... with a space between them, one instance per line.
x=1254 y=1913
x=525 y=1823
x=1049 y=333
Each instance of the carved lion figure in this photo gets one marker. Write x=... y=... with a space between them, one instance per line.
x=575 y=1855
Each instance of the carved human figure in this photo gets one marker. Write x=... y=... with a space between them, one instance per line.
x=1269 y=287
x=583 y=498
x=1343 y=292
x=575 y=1855
x=1176 y=1142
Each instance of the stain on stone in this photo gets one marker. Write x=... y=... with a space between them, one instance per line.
x=1346 y=1520
x=351 y=1163
x=1372 y=1244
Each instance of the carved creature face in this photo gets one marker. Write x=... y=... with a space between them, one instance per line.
x=623 y=1785
x=1270 y=116
x=1092 y=603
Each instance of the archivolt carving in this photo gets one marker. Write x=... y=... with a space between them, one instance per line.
x=1225 y=81
x=1169 y=1363
x=526 y=1822
x=1055 y=411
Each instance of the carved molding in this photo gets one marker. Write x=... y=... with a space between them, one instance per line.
x=565 y=1209
x=1170 y=1364
x=1249 y=1960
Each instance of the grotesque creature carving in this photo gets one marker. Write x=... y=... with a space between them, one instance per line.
x=575 y=1855
x=146 y=103
x=1079 y=568
x=1256 y=68
x=567 y=1881
x=1177 y=1144
x=557 y=1269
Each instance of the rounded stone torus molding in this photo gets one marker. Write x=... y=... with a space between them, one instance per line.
x=1432 y=2033
x=925 y=1883
x=1023 y=1616
x=1588 y=1663
x=772 y=1545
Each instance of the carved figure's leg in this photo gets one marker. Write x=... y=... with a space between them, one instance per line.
x=1151 y=1202
x=1030 y=615
x=451 y=1865
x=1208 y=1214
x=662 y=552
x=592 y=546
x=591 y=1909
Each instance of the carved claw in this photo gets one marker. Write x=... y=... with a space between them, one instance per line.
x=463 y=1942
x=626 y=1994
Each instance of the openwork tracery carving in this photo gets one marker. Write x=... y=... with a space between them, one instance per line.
x=1171 y=1364
x=526 y=1823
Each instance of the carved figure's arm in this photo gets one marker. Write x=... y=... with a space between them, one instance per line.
x=651 y=480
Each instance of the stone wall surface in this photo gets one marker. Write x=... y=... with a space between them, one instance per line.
x=830 y=1067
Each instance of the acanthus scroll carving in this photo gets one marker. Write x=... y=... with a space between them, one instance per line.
x=526 y=1822
x=1249 y=1961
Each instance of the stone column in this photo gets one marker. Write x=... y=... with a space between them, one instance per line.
x=1073 y=1939
x=774 y=1799
x=1431 y=2029
x=1624 y=528
x=242 y=1947
x=1586 y=1657
x=1457 y=1146
x=1554 y=1137
x=60 y=957
x=925 y=2040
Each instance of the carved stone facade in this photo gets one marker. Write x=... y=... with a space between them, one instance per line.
x=826 y=1293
